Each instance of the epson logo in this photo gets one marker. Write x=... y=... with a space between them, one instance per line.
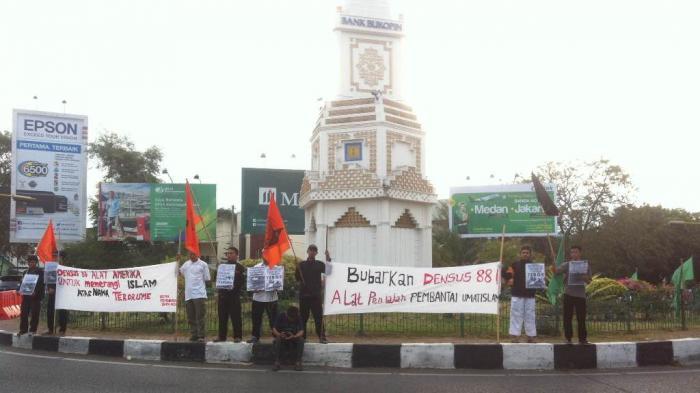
x=265 y=195
x=50 y=127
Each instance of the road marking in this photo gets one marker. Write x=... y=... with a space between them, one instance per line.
x=364 y=373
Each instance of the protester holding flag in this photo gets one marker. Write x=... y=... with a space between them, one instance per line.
x=522 y=304
x=229 y=301
x=310 y=275
x=31 y=304
x=263 y=302
x=574 y=298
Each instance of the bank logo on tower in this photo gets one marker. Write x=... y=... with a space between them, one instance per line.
x=265 y=194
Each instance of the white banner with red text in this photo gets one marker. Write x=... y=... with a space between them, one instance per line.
x=355 y=289
x=141 y=289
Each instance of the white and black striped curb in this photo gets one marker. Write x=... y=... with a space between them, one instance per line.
x=348 y=355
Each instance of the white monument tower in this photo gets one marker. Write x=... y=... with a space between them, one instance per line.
x=366 y=197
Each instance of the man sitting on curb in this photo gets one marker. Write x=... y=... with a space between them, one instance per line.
x=289 y=334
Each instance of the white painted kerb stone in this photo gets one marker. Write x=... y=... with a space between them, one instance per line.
x=686 y=350
x=77 y=345
x=142 y=349
x=24 y=341
x=616 y=354
x=427 y=356
x=227 y=352
x=528 y=356
x=328 y=355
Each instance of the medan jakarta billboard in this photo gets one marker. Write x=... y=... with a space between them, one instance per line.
x=257 y=187
x=153 y=211
x=482 y=211
x=49 y=169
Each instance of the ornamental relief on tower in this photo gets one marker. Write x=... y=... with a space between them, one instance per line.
x=370 y=67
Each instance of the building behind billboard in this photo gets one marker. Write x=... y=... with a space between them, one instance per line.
x=49 y=167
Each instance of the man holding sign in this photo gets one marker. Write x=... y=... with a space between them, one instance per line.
x=578 y=274
x=32 y=291
x=522 y=304
x=229 y=281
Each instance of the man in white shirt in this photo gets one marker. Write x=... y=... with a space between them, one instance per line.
x=263 y=302
x=196 y=272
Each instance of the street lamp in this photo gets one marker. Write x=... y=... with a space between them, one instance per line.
x=196 y=177
x=165 y=172
x=681 y=222
x=19 y=197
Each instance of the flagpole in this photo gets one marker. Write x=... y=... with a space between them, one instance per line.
x=498 y=308
x=206 y=230
x=681 y=284
x=58 y=260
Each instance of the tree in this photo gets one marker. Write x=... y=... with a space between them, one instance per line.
x=122 y=163
x=587 y=192
x=642 y=238
x=5 y=180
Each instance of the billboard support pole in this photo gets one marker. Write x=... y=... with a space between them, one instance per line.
x=498 y=307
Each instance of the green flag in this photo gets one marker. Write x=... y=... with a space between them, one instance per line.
x=556 y=282
x=683 y=274
x=635 y=276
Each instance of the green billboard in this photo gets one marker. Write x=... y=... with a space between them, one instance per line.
x=483 y=211
x=153 y=211
x=258 y=185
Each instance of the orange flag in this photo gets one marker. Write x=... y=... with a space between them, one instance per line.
x=276 y=239
x=192 y=218
x=46 y=249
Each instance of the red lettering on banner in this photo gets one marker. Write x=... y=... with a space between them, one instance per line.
x=98 y=274
x=130 y=297
x=449 y=278
x=124 y=274
x=352 y=299
x=373 y=299
x=68 y=273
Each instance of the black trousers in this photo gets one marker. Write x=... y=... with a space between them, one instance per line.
x=229 y=306
x=315 y=305
x=258 y=308
x=294 y=346
x=30 y=305
x=62 y=315
x=578 y=304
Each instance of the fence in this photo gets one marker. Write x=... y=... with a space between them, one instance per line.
x=622 y=315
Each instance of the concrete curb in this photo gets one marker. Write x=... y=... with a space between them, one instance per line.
x=539 y=356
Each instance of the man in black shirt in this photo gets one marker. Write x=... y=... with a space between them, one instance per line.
x=32 y=303
x=229 y=302
x=309 y=274
x=51 y=305
x=522 y=303
x=289 y=333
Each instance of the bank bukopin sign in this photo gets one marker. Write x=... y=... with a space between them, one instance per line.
x=258 y=186
x=481 y=211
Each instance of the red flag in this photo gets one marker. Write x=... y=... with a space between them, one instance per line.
x=46 y=249
x=192 y=218
x=276 y=239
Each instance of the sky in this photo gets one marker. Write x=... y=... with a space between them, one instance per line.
x=500 y=87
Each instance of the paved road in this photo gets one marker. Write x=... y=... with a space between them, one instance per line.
x=25 y=371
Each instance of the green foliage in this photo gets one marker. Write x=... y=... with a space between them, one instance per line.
x=601 y=288
x=122 y=163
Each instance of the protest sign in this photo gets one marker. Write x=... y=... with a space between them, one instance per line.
x=28 y=284
x=50 y=272
x=225 y=275
x=147 y=288
x=354 y=289
x=534 y=276
x=262 y=278
x=578 y=270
